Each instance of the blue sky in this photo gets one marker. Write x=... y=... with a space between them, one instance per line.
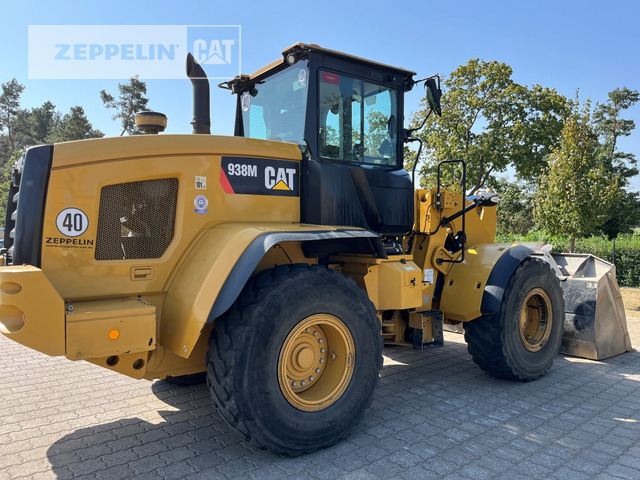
x=567 y=45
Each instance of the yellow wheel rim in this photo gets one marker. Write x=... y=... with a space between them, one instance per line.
x=536 y=322
x=316 y=362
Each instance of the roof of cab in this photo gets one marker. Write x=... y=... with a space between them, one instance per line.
x=311 y=47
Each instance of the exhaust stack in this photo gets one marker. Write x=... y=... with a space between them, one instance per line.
x=201 y=119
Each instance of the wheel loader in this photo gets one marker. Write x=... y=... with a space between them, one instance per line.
x=280 y=260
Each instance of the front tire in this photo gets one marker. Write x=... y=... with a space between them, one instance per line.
x=521 y=341
x=294 y=363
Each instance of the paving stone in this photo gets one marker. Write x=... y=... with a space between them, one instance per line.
x=438 y=416
x=271 y=472
x=147 y=464
x=120 y=472
x=176 y=471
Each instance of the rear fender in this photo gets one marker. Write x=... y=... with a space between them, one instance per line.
x=219 y=265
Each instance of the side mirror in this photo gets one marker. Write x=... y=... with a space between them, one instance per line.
x=487 y=199
x=433 y=95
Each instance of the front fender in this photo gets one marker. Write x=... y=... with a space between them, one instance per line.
x=475 y=287
x=219 y=265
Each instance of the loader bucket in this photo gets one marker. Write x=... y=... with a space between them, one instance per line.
x=595 y=324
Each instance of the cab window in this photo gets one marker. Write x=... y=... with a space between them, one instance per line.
x=358 y=120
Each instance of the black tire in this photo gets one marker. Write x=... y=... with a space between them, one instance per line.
x=187 y=380
x=249 y=380
x=521 y=348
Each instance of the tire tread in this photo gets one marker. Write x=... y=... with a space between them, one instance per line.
x=231 y=334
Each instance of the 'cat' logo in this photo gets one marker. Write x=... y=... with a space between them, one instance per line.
x=279 y=178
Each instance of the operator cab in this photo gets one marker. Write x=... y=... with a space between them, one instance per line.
x=346 y=114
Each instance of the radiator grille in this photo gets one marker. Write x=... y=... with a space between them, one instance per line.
x=136 y=219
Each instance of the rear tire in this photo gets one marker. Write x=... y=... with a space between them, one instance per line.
x=521 y=341
x=294 y=363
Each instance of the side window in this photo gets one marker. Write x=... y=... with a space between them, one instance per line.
x=380 y=127
x=358 y=120
x=332 y=147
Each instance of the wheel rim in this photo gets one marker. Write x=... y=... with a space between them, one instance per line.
x=316 y=362
x=535 y=320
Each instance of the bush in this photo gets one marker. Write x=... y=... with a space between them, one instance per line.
x=627 y=251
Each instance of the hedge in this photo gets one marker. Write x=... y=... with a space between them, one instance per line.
x=627 y=251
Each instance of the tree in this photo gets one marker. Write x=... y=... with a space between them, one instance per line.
x=42 y=120
x=622 y=216
x=9 y=107
x=73 y=126
x=610 y=127
x=576 y=193
x=490 y=121
x=131 y=101
x=515 y=207
x=32 y=127
x=536 y=128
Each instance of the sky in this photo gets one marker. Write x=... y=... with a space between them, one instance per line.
x=590 y=46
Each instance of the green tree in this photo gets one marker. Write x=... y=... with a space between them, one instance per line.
x=491 y=122
x=622 y=216
x=576 y=193
x=73 y=126
x=610 y=127
x=9 y=107
x=32 y=127
x=515 y=210
x=42 y=121
x=131 y=101
x=537 y=125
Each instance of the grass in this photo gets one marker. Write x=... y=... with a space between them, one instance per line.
x=631 y=299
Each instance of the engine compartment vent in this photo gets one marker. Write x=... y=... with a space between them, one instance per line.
x=136 y=219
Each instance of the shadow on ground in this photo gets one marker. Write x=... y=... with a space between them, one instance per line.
x=434 y=413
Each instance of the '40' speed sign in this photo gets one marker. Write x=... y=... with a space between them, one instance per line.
x=72 y=222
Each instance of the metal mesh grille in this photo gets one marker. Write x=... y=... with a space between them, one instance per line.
x=137 y=219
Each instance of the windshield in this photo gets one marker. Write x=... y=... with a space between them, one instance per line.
x=274 y=109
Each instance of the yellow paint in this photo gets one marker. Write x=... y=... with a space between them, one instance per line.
x=145 y=146
x=163 y=362
x=31 y=311
x=392 y=283
x=428 y=245
x=316 y=363
x=110 y=327
x=201 y=276
x=464 y=284
x=76 y=274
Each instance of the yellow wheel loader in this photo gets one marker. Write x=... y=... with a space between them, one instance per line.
x=279 y=260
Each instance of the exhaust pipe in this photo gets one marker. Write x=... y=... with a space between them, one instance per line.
x=201 y=119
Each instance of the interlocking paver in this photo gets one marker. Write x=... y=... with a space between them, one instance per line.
x=435 y=415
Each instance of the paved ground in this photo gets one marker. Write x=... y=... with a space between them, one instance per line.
x=435 y=415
